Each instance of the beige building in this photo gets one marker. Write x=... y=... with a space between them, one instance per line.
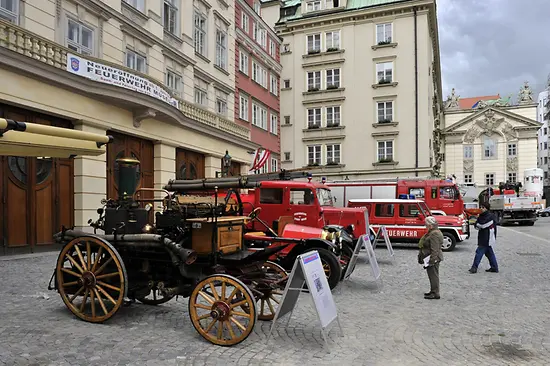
x=360 y=87
x=156 y=75
x=490 y=141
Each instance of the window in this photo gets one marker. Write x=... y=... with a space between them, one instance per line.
x=200 y=33
x=545 y=175
x=333 y=116
x=287 y=156
x=314 y=43
x=286 y=47
x=273 y=123
x=272 y=196
x=260 y=35
x=274 y=164
x=286 y=83
x=314 y=117
x=313 y=80
x=489 y=148
x=383 y=33
x=287 y=120
x=448 y=193
x=135 y=61
x=546 y=160
x=257 y=6
x=301 y=196
x=221 y=102
x=201 y=92
x=468 y=152
x=170 y=11
x=512 y=177
x=314 y=155
x=243 y=107
x=333 y=79
x=79 y=37
x=383 y=210
x=138 y=4
x=274 y=85
x=468 y=178
x=313 y=5
x=417 y=192
x=546 y=146
x=272 y=48
x=385 y=151
x=384 y=72
x=244 y=22
x=408 y=210
x=512 y=150
x=545 y=130
x=243 y=62
x=385 y=112
x=489 y=179
x=259 y=116
x=332 y=40
x=221 y=48
x=173 y=81
x=333 y=154
x=259 y=74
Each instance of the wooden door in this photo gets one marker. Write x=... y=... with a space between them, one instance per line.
x=129 y=146
x=234 y=169
x=37 y=193
x=189 y=164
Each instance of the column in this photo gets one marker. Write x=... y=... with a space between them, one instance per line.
x=212 y=164
x=90 y=182
x=165 y=168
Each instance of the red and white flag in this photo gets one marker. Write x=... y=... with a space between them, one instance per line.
x=261 y=157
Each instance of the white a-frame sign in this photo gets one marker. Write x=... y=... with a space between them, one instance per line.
x=308 y=270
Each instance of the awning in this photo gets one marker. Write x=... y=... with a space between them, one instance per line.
x=31 y=139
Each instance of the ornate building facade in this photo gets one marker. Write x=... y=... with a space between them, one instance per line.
x=492 y=141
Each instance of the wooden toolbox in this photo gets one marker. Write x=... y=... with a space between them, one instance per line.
x=229 y=234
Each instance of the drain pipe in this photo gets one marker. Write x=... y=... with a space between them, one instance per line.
x=416 y=91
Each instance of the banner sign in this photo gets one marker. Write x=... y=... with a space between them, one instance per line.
x=113 y=76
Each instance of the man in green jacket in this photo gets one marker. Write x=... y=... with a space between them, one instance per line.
x=430 y=245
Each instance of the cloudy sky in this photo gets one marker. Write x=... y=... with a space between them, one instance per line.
x=492 y=46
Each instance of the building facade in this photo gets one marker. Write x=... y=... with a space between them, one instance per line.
x=360 y=87
x=490 y=142
x=159 y=76
x=257 y=74
x=542 y=118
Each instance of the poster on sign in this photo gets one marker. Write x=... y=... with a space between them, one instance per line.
x=308 y=270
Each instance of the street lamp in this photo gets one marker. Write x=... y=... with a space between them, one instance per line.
x=226 y=161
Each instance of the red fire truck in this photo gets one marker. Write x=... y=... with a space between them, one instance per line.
x=439 y=194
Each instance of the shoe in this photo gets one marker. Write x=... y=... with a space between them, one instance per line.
x=432 y=297
x=492 y=270
x=472 y=270
x=427 y=293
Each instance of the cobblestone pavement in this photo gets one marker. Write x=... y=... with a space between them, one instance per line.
x=481 y=319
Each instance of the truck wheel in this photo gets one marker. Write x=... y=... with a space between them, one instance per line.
x=530 y=223
x=449 y=242
x=331 y=265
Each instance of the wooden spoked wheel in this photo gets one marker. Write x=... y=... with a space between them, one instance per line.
x=214 y=308
x=154 y=297
x=271 y=298
x=91 y=278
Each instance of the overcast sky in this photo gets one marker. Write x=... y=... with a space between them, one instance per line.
x=492 y=46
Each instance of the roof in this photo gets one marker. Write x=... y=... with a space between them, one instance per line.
x=468 y=103
x=351 y=5
x=383 y=200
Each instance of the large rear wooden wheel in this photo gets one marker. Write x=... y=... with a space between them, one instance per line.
x=271 y=298
x=214 y=310
x=90 y=271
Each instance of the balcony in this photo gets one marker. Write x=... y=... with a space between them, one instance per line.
x=323 y=133
x=42 y=50
x=331 y=94
x=332 y=55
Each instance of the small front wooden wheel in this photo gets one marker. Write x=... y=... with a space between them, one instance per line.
x=276 y=276
x=90 y=269
x=213 y=308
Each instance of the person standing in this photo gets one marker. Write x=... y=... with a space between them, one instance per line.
x=430 y=245
x=486 y=224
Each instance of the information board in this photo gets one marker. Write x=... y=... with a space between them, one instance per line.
x=371 y=257
x=354 y=257
x=386 y=237
x=308 y=269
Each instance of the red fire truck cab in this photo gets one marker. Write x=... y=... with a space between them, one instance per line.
x=404 y=220
x=439 y=194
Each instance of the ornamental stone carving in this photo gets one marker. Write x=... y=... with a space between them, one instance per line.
x=472 y=134
x=525 y=95
x=452 y=101
x=468 y=166
x=508 y=131
x=490 y=123
x=495 y=103
x=512 y=164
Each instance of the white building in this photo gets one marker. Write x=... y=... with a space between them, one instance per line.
x=361 y=87
x=543 y=134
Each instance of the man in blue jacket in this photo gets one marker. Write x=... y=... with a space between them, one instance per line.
x=486 y=237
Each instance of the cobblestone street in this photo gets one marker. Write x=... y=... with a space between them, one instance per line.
x=485 y=319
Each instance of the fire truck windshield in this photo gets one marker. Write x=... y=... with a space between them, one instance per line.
x=425 y=210
x=325 y=197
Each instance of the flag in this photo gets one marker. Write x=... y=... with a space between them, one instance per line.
x=261 y=157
